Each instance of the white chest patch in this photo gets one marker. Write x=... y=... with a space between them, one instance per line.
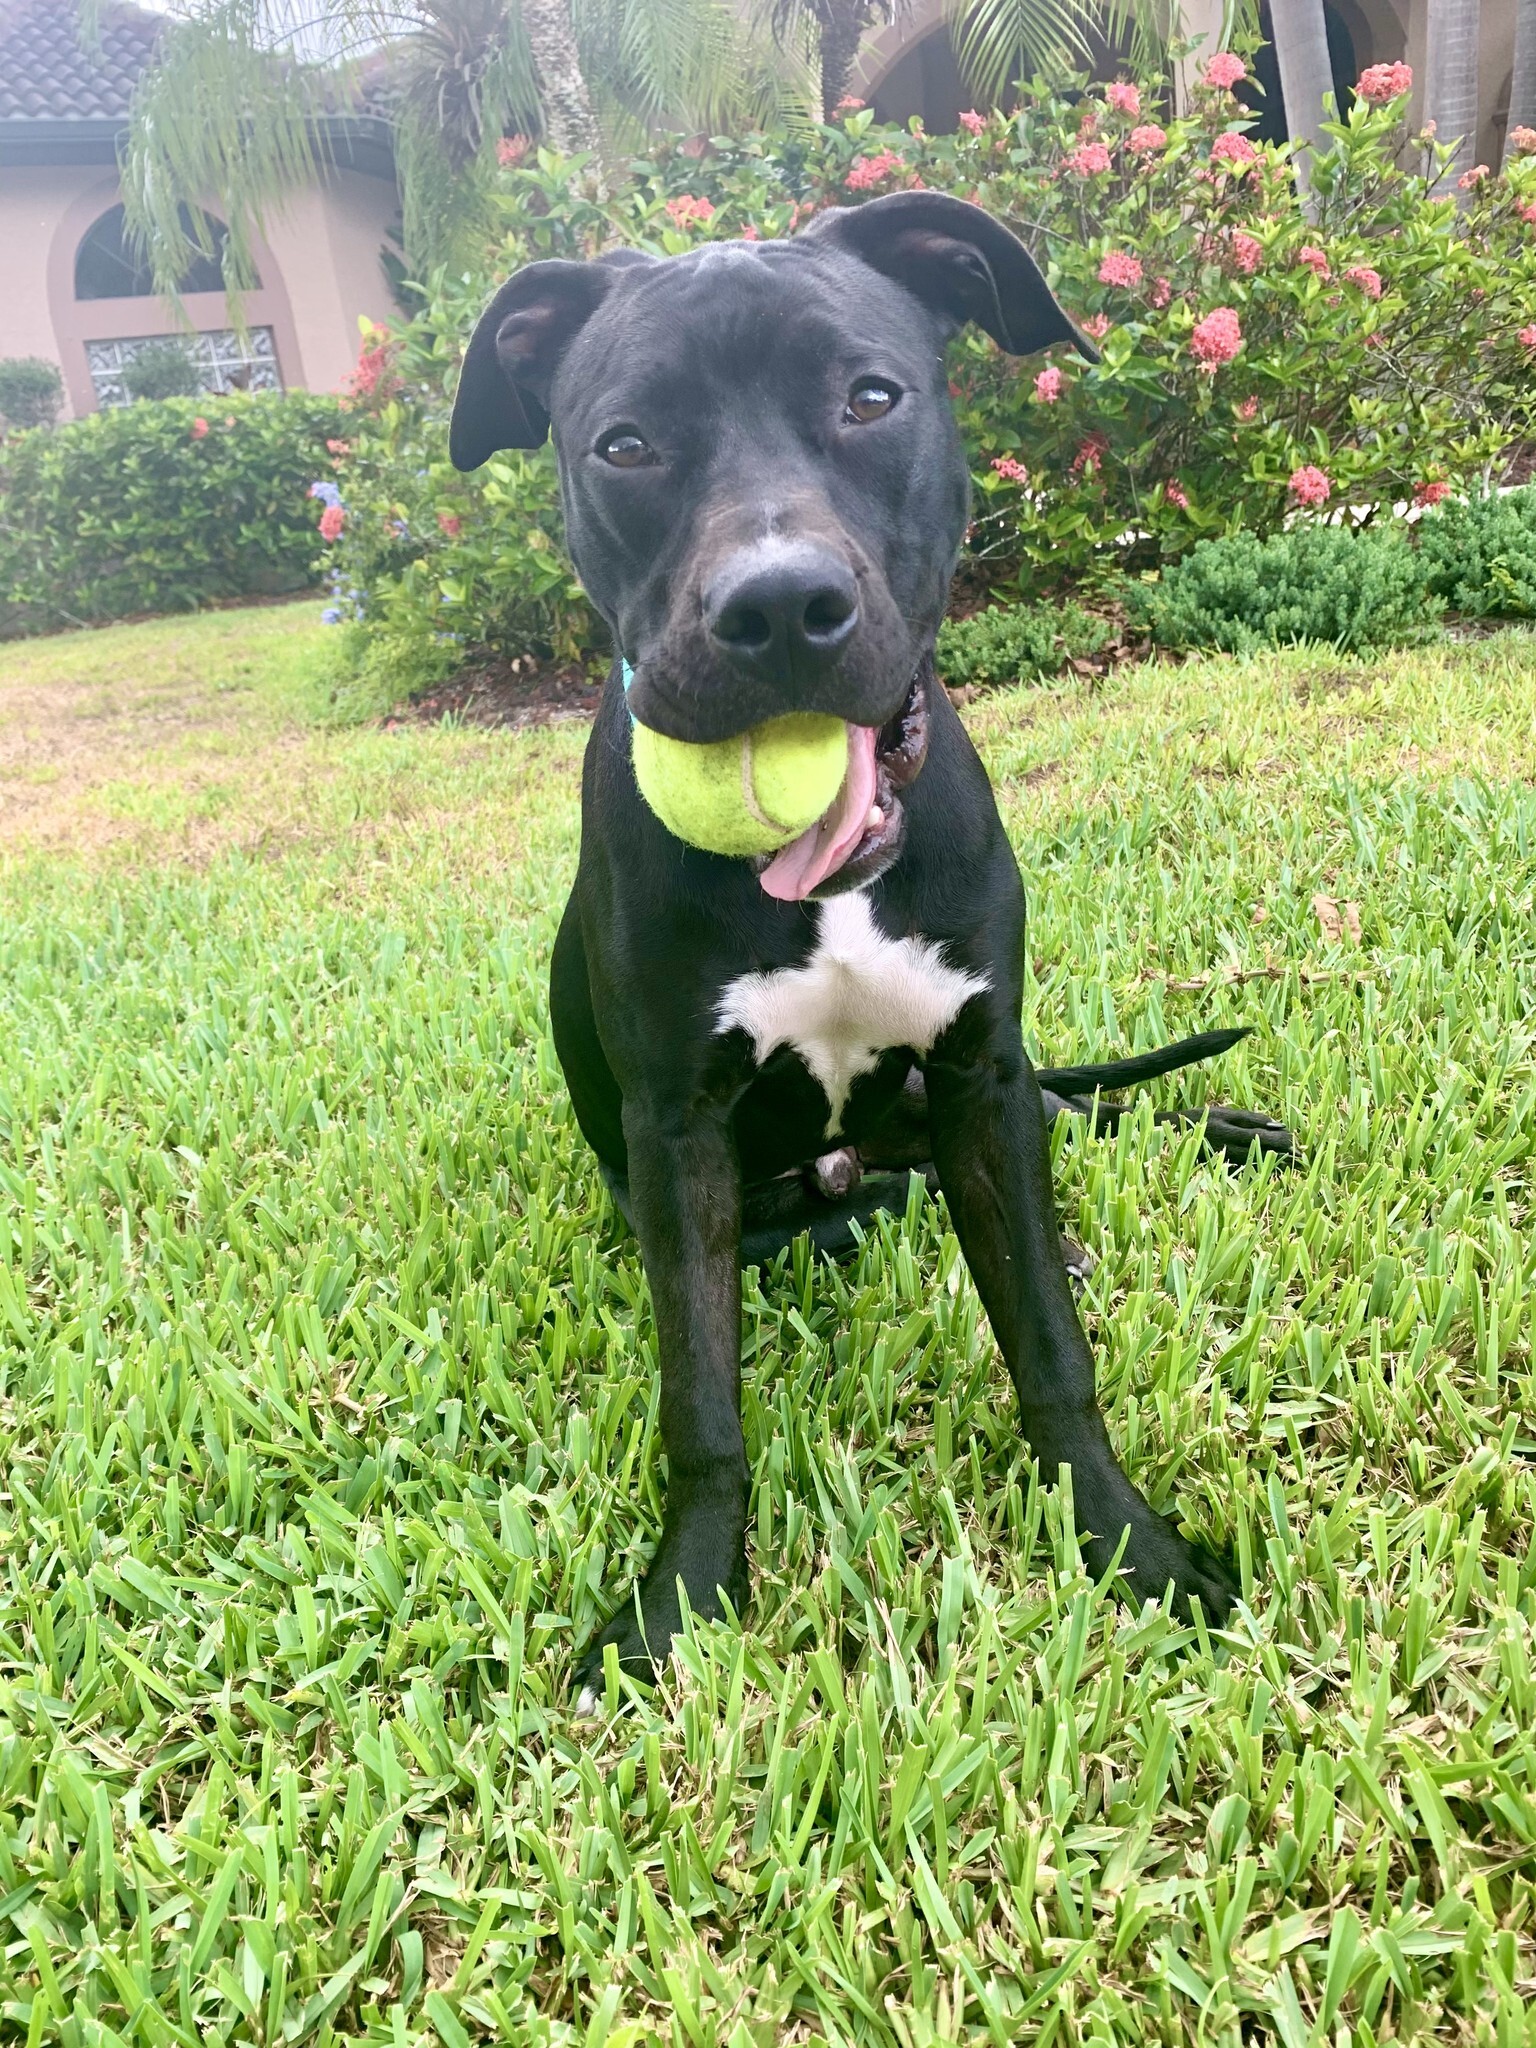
x=856 y=996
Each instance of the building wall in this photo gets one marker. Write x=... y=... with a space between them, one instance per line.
x=33 y=201
x=319 y=270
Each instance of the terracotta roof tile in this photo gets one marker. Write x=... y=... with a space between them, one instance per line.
x=48 y=74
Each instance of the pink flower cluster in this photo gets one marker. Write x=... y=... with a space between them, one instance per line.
x=1382 y=82
x=1142 y=141
x=1048 y=385
x=1431 y=493
x=1310 y=485
x=1237 y=150
x=1249 y=409
x=451 y=524
x=1089 y=159
x=1097 y=327
x=332 y=521
x=870 y=171
x=1470 y=180
x=1528 y=212
x=1161 y=293
x=199 y=429
x=1174 y=495
x=1123 y=97
x=1246 y=252
x=1523 y=139
x=1225 y=70
x=1090 y=454
x=1120 y=268
x=686 y=208
x=1014 y=471
x=1315 y=261
x=1216 y=339
x=972 y=122
x=511 y=149
x=849 y=105
x=1527 y=336
x=1367 y=280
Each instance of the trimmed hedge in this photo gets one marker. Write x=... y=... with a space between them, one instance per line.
x=160 y=507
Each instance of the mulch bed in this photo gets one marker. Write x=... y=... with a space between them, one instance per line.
x=509 y=696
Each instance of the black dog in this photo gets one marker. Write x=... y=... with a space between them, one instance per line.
x=765 y=496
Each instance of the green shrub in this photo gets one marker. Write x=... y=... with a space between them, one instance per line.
x=1479 y=554
x=1017 y=644
x=1351 y=590
x=31 y=392
x=162 y=369
x=154 y=507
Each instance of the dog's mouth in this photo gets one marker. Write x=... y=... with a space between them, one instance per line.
x=860 y=833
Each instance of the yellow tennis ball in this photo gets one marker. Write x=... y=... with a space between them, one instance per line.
x=750 y=794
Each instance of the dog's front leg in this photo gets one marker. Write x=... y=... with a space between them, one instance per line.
x=685 y=1194
x=992 y=1152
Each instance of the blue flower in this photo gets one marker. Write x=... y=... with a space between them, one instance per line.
x=327 y=493
x=331 y=616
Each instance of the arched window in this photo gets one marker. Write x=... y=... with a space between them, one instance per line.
x=107 y=266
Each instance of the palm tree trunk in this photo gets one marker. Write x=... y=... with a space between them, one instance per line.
x=842 y=31
x=1450 y=64
x=1301 y=44
x=1522 y=87
x=569 y=123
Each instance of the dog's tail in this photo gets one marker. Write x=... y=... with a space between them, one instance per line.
x=1146 y=1066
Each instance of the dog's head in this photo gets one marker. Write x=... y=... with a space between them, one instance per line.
x=764 y=489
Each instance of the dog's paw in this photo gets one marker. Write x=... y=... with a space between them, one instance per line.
x=1235 y=1132
x=1156 y=1557
x=643 y=1628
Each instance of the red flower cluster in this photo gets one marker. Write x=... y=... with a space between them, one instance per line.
x=451 y=524
x=1007 y=466
x=1382 y=82
x=870 y=171
x=1225 y=70
x=1431 y=493
x=1121 y=269
x=1368 y=280
x=1237 y=150
x=198 y=429
x=1216 y=339
x=1528 y=212
x=1123 y=97
x=1527 y=336
x=511 y=149
x=375 y=375
x=1145 y=139
x=332 y=520
x=686 y=208
x=972 y=122
x=1090 y=454
x=1310 y=485
x=1089 y=159
x=1048 y=385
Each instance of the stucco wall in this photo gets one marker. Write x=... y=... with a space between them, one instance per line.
x=327 y=242
x=320 y=267
x=33 y=200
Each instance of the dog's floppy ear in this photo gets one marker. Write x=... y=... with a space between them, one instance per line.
x=960 y=262
x=503 y=395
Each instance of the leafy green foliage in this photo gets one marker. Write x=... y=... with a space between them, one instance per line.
x=1480 y=554
x=31 y=392
x=1329 y=584
x=1016 y=644
x=1400 y=370
x=162 y=369
x=328 y=1423
x=154 y=507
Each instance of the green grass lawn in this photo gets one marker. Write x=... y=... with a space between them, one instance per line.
x=327 y=1413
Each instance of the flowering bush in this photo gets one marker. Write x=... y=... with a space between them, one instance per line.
x=159 y=507
x=1261 y=366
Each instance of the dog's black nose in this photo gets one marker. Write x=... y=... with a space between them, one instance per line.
x=785 y=610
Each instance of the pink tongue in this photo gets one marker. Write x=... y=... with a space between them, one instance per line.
x=821 y=850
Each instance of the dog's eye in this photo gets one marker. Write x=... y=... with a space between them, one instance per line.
x=625 y=449
x=869 y=400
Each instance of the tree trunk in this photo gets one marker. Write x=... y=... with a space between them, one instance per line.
x=1522 y=87
x=842 y=32
x=1450 y=96
x=569 y=123
x=1301 y=44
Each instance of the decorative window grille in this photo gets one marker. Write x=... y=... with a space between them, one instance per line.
x=225 y=360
